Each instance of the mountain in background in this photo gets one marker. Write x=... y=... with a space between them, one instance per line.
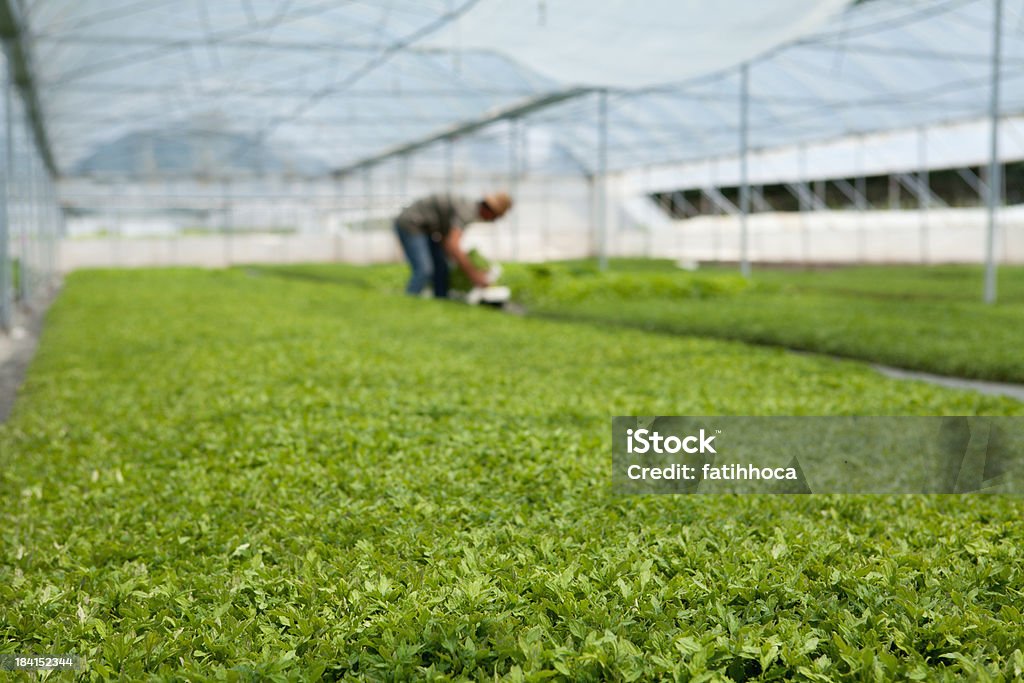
x=191 y=151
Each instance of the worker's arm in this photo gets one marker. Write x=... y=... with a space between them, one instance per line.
x=453 y=247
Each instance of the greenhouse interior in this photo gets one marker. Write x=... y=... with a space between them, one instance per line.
x=233 y=449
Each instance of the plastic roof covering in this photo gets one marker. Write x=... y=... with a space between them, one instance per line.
x=316 y=81
x=628 y=44
x=884 y=65
x=314 y=84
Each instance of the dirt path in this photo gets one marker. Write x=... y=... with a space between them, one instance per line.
x=1015 y=391
x=16 y=351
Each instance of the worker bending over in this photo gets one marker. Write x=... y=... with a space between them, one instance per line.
x=430 y=230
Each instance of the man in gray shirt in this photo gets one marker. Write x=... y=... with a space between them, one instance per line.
x=430 y=230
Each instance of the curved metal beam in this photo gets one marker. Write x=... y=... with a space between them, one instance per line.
x=516 y=111
x=19 y=61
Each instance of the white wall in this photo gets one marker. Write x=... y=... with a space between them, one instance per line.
x=940 y=236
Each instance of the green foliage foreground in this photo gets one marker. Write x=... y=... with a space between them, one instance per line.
x=232 y=476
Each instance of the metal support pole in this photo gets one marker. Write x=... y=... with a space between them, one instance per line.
x=449 y=165
x=55 y=228
x=46 y=223
x=54 y=231
x=545 y=224
x=51 y=232
x=513 y=180
x=592 y=210
x=757 y=200
x=226 y=220
x=174 y=240
x=403 y=179
x=339 y=213
x=679 y=198
x=367 y=211
x=39 y=198
x=524 y=174
x=523 y=140
x=601 y=179
x=18 y=202
x=805 y=192
x=684 y=207
x=994 y=181
x=29 y=227
x=37 y=242
x=119 y=227
x=6 y=173
x=744 y=180
x=861 y=185
x=924 y=190
x=44 y=227
x=716 y=234
x=47 y=231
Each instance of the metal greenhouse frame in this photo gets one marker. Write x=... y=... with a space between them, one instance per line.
x=210 y=116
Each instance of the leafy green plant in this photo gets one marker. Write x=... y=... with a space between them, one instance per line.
x=923 y=319
x=231 y=475
x=459 y=280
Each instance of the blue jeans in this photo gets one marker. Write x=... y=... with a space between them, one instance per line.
x=427 y=260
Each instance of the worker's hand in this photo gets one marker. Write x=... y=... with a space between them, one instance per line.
x=480 y=279
x=454 y=250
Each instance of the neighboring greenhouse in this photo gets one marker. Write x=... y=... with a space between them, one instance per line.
x=232 y=449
